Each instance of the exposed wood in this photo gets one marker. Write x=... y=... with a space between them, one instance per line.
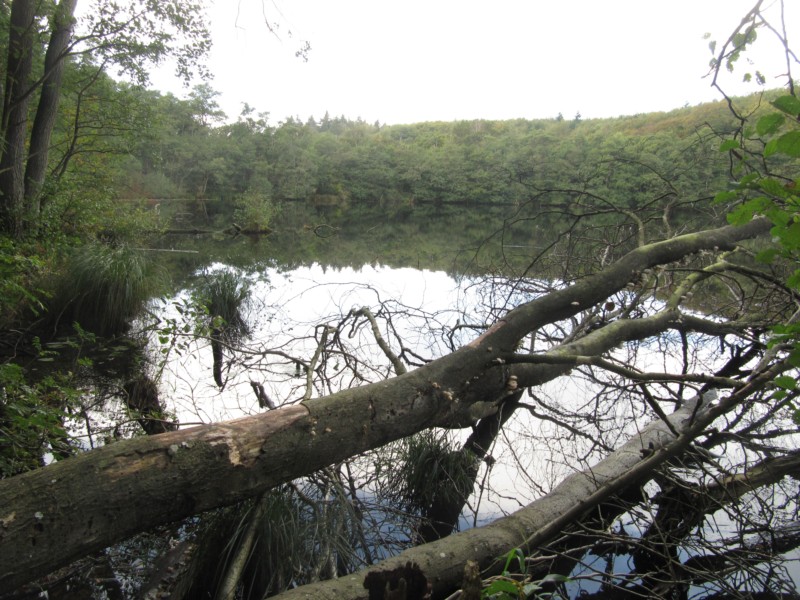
x=443 y=561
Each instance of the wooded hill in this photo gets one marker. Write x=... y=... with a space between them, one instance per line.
x=527 y=178
x=674 y=476
x=336 y=163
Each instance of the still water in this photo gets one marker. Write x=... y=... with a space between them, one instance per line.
x=420 y=312
x=286 y=311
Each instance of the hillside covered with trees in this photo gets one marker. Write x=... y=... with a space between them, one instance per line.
x=343 y=165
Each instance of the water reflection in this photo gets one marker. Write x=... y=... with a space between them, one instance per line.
x=287 y=310
x=424 y=314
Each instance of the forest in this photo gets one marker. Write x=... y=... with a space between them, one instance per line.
x=623 y=348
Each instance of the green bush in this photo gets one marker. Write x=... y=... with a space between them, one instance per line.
x=32 y=417
x=19 y=298
x=254 y=211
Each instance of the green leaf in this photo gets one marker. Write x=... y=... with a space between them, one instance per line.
x=744 y=212
x=771 y=148
x=728 y=145
x=768 y=255
x=788 y=104
x=780 y=218
x=723 y=197
x=789 y=237
x=789 y=144
x=769 y=124
x=794 y=280
x=786 y=382
x=555 y=577
x=500 y=586
x=748 y=179
x=774 y=187
x=512 y=554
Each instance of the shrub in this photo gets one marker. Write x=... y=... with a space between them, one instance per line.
x=427 y=467
x=254 y=211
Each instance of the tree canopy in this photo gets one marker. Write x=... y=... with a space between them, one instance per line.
x=45 y=40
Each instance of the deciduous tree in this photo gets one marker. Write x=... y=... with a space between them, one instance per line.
x=130 y=36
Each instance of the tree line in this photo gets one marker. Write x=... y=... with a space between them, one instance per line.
x=340 y=163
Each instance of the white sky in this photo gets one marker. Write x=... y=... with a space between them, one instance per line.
x=430 y=60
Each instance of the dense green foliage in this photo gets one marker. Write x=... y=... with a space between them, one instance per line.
x=103 y=288
x=765 y=154
x=337 y=165
x=337 y=191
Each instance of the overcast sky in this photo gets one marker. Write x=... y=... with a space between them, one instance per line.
x=441 y=60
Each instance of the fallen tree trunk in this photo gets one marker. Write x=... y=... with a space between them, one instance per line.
x=71 y=508
x=442 y=562
x=573 y=500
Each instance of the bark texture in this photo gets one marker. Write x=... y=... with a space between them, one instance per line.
x=15 y=114
x=442 y=561
x=47 y=108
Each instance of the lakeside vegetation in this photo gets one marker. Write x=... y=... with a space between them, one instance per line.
x=476 y=196
x=588 y=235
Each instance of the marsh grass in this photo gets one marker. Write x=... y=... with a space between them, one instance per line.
x=103 y=288
x=299 y=537
x=425 y=468
x=225 y=295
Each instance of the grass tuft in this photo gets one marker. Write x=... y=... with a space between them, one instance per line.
x=425 y=468
x=103 y=288
x=225 y=295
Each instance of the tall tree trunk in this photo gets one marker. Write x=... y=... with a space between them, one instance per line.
x=15 y=115
x=47 y=109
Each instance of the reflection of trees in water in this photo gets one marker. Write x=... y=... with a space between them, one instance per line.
x=565 y=425
x=549 y=231
x=597 y=441
x=640 y=447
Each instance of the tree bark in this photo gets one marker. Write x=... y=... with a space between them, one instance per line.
x=15 y=114
x=54 y=515
x=441 y=518
x=443 y=561
x=47 y=108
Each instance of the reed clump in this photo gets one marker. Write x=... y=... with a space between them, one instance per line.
x=103 y=288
